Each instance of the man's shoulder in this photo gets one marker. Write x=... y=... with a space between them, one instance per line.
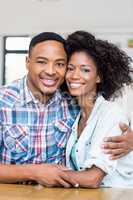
x=72 y=104
x=10 y=93
x=71 y=101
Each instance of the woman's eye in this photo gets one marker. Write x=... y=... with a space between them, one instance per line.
x=70 y=68
x=85 y=70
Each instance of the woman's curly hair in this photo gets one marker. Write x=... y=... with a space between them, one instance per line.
x=113 y=64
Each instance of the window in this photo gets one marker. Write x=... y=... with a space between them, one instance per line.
x=15 y=51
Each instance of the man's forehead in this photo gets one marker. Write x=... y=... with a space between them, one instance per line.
x=49 y=50
x=50 y=44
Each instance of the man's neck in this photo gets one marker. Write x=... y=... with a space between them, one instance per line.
x=41 y=97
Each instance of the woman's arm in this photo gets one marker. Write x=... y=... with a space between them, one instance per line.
x=90 y=178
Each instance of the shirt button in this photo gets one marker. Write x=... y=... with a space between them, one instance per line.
x=81 y=168
x=129 y=173
x=76 y=150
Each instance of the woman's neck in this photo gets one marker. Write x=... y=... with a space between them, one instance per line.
x=86 y=104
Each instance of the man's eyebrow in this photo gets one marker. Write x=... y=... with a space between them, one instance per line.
x=44 y=58
x=41 y=57
x=61 y=59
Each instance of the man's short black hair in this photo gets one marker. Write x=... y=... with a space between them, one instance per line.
x=45 y=36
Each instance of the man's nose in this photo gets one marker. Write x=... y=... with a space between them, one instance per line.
x=50 y=69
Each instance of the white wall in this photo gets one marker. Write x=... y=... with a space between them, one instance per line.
x=29 y=16
x=32 y=16
x=1 y=59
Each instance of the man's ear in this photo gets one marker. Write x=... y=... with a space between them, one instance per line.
x=27 y=61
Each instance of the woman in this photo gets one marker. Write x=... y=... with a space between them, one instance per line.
x=96 y=71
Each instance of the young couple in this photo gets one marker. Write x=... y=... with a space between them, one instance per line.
x=41 y=127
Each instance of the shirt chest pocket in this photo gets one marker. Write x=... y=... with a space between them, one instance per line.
x=62 y=133
x=16 y=138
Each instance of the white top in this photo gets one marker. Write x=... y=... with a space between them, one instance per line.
x=132 y=121
x=125 y=101
x=103 y=121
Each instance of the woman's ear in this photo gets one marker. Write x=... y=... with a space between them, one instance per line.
x=98 y=79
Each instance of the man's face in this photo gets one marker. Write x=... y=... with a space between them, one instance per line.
x=46 y=67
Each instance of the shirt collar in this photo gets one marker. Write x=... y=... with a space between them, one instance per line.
x=99 y=101
x=26 y=95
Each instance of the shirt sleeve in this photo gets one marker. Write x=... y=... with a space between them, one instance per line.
x=108 y=126
x=0 y=141
x=1 y=130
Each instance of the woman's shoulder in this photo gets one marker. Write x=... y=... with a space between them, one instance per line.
x=125 y=100
x=111 y=110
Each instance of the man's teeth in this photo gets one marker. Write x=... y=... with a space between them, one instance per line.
x=49 y=82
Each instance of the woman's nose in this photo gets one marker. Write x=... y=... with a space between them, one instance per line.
x=76 y=74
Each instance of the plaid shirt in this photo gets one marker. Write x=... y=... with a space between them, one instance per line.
x=31 y=132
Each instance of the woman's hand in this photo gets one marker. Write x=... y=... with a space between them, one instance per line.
x=119 y=146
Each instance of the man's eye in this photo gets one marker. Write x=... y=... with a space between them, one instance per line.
x=60 y=64
x=41 y=62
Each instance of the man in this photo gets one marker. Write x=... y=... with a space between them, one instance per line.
x=35 y=117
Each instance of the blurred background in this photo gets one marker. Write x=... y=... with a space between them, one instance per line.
x=20 y=20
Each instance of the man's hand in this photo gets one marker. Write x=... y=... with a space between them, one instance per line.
x=51 y=175
x=119 y=146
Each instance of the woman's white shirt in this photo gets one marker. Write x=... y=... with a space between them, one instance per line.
x=103 y=121
x=125 y=101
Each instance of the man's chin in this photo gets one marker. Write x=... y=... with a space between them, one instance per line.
x=48 y=93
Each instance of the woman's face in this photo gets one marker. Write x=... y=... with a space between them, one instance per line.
x=82 y=76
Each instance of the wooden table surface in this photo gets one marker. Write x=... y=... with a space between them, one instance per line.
x=26 y=192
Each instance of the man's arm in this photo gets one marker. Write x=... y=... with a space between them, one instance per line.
x=44 y=174
x=90 y=178
x=14 y=173
x=119 y=146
